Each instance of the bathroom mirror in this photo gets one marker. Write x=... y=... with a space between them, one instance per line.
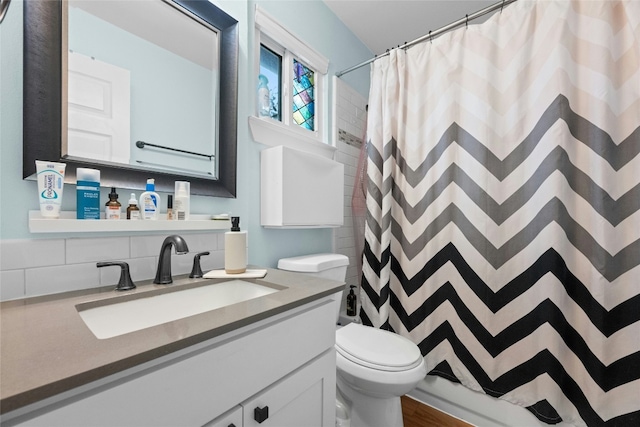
x=190 y=80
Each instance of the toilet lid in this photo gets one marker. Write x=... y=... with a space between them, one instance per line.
x=376 y=348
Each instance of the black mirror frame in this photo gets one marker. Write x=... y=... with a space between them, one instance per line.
x=42 y=103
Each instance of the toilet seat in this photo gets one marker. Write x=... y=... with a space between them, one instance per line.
x=377 y=349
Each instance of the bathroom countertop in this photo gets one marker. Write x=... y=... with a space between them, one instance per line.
x=46 y=348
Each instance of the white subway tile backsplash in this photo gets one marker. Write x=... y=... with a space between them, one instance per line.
x=221 y=241
x=102 y=249
x=62 y=278
x=213 y=261
x=139 y=268
x=47 y=266
x=201 y=242
x=11 y=284
x=144 y=246
x=15 y=254
x=182 y=264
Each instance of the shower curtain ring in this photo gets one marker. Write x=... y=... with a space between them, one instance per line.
x=502 y=7
x=430 y=39
x=466 y=24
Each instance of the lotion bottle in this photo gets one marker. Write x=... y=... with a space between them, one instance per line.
x=182 y=203
x=150 y=202
x=235 y=248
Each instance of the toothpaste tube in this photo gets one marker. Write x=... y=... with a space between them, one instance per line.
x=50 y=185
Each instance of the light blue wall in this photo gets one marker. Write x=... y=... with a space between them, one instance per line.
x=324 y=32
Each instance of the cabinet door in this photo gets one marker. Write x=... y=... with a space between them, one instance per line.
x=305 y=398
x=233 y=418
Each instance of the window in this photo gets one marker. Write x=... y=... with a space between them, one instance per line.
x=271 y=77
x=300 y=106
x=303 y=95
x=291 y=86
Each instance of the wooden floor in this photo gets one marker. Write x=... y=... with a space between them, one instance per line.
x=416 y=414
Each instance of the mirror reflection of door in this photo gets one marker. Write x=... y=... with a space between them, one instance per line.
x=172 y=61
x=98 y=115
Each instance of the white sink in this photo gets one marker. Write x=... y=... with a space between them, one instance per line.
x=120 y=318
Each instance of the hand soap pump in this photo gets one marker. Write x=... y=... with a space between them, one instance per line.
x=351 y=302
x=235 y=248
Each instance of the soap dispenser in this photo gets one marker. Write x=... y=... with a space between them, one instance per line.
x=351 y=302
x=235 y=248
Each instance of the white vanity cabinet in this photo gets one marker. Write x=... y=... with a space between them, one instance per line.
x=285 y=363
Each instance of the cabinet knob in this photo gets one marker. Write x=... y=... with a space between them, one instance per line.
x=261 y=414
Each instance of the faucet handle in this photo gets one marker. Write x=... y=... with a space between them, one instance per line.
x=125 y=283
x=196 y=271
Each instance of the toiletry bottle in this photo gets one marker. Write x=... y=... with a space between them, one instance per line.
x=351 y=302
x=235 y=248
x=150 y=202
x=182 y=200
x=133 y=211
x=112 y=207
x=264 y=101
x=169 y=207
x=50 y=187
x=87 y=193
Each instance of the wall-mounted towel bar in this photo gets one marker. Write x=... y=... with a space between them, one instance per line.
x=142 y=144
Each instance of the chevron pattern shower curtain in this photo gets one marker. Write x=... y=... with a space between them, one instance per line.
x=503 y=207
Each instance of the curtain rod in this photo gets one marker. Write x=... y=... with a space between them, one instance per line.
x=435 y=33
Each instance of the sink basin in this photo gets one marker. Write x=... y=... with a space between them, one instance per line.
x=111 y=320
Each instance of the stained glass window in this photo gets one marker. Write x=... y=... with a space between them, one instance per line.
x=303 y=96
x=271 y=69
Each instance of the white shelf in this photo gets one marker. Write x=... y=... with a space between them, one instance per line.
x=67 y=223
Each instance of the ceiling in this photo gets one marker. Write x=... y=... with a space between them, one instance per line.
x=383 y=24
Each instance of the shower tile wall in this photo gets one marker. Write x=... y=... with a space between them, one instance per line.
x=349 y=127
x=47 y=266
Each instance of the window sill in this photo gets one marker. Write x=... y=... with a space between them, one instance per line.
x=269 y=132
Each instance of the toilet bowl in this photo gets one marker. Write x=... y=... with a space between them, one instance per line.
x=374 y=367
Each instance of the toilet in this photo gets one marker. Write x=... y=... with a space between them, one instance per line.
x=374 y=367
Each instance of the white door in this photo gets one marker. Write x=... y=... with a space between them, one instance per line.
x=99 y=108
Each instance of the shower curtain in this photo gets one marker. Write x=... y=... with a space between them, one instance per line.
x=503 y=207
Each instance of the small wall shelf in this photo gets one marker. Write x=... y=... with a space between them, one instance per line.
x=67 y=223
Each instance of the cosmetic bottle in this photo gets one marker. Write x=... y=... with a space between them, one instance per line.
x=235 y=248
x=351 y=302
x=169 y=207
x=112 y=207
x=150 y=202
x=133 y=211
x=87 y=193
x=182 y=201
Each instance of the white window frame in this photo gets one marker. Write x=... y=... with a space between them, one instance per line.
x=286 y=132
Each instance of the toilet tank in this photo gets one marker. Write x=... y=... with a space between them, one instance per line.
x=328 y=266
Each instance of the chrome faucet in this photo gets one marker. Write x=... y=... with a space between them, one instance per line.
x=163 y=274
